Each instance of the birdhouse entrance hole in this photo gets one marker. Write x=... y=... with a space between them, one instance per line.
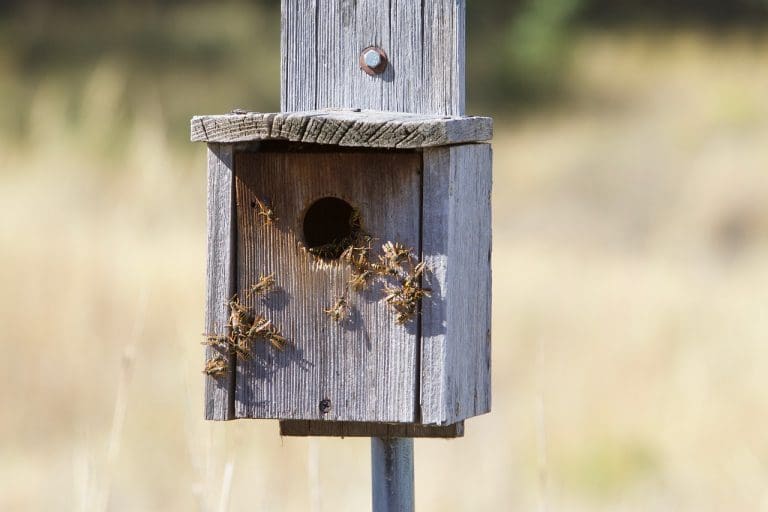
x=330 y=226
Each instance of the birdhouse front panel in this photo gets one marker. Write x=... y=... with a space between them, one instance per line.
x=324 y=243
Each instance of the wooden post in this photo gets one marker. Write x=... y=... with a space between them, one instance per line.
x=425 y=41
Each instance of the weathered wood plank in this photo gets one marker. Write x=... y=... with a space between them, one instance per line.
x=444 y=56
x=365 y=367
x=361 y=429
x=298 y=52
x=456 y=320
x=424 y=39
x=220 y=275
x=344 y=128
x=407 y=58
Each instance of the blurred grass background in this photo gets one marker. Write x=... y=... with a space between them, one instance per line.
x=631 y=251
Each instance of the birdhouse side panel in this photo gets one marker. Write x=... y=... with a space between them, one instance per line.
x=340 y=353
x=220 y=279
x=456 y=324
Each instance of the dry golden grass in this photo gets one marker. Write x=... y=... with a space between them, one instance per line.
x=631 y=251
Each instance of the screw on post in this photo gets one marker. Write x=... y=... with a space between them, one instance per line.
x=373 y=60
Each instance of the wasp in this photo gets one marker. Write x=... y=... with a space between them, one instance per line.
x=339 y=310
x=266 y=212
x=412 y=280
x=396 y=253
x=241 y=346
x=216 y=367
x=357 y=256
x=259 y=327
x=360 y=279
x=215 y=340
x=275 y=338
x=264 y=329
x=405 y=302
x=239 y=314
x=395 y=256
x=406 y=297
x=263 y=286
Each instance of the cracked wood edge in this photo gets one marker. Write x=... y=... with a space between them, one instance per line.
x=345 y=128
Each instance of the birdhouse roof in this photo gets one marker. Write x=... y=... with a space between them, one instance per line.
x=351 y=128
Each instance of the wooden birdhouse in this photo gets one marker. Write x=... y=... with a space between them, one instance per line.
x=349 y=284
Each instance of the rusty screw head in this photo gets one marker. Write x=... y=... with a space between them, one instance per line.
x=373 y=60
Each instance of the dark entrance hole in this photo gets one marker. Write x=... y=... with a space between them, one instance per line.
x=330 y=226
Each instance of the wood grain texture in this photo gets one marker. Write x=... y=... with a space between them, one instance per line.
x=220 y=275
x=456 y=321
x=344 y=128
x=366 y=366
x=360 y=429
x=424 y=40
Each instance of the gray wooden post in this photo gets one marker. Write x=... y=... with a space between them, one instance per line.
x=392 y=474
x=426 y=45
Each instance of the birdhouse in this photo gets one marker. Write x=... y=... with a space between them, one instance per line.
x=349 y=284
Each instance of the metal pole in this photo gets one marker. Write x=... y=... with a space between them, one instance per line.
x=392 y=474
